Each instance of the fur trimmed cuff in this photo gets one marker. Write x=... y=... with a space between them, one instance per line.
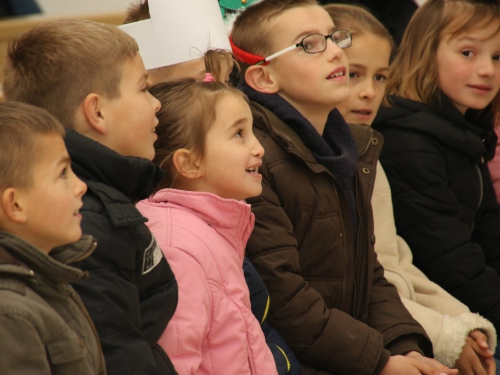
x=454 y=332
x=476 y=321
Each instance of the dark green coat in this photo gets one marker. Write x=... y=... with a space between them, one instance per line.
x=45 y=327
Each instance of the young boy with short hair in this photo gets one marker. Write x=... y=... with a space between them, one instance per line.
x=45 y=327
x=92 y=78
x=313 y=238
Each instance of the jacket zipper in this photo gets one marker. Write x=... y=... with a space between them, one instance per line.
x=82 y=308
x=358 y=238
x=481 y=187
x=344 y=241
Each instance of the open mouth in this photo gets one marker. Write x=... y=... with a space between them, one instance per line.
x=363 y=112
x=253 y=170
x=335 y=75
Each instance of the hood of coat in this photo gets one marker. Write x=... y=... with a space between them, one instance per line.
x=230 y=218
x=471 y=134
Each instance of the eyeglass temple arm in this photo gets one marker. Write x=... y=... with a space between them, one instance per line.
x=268 y=58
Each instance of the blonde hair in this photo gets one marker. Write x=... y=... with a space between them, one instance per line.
x=55 y=65
x=357 y=20
x=20 y=126
x=188 y=110
x=414 y=71
x=252 y=30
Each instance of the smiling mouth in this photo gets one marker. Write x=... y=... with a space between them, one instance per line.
x=337 y=74
x=253 y=170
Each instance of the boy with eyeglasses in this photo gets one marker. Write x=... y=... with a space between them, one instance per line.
x=313 y=238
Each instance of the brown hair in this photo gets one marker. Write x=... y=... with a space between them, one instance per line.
x=138 y=12
x=216 y=62
x=414 y=71
x=188 y=109
x=20 y=126
x=252 y=30
x=358 y=20
x=55 y=65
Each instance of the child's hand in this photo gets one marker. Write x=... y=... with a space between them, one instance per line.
x=400 y=364
x=470 y=362
x=432 y=363
x=481 y=340
x=476 y=357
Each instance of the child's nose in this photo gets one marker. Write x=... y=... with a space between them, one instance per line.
x=333 y=50
x=258 y=150
x=80 y=187
x=367 y=92
x=156 y=103
x=486 y=67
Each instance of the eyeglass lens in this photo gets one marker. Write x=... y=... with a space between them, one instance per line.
x=317 y=42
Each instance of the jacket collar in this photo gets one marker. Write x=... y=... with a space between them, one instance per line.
x=135 y=177
x=230 y=218
x=471 y=134
x=335 y=149
x=21 y=258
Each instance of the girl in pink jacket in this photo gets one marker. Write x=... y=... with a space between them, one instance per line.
x=211 y=158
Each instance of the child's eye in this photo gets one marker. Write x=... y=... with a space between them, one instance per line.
x=64 y=172
x=353 y=75
x=239 y=133
x=467 y=53
x=379 y=77
x=496 y=57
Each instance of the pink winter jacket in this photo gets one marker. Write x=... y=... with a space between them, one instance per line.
x=213 y=330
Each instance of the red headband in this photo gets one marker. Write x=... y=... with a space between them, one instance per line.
x=246 y=57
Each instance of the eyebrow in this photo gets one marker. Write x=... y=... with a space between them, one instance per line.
x=309 y=32
x=64 y=160
x=237 y=123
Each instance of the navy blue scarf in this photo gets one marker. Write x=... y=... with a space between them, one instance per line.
x=336 y=149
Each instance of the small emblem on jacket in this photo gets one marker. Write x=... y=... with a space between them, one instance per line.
x=152 y=256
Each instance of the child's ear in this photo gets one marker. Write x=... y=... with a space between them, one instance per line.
x=261 y=79
x=92 y=108
x=12 y=206
x=187 y=163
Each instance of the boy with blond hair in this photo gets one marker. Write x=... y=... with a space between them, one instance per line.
x=313 y=238
x=45 y=328
x=92 y=78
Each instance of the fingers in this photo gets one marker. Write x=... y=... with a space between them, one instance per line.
x=482 y=341
x=432 y=367
x=490 y=365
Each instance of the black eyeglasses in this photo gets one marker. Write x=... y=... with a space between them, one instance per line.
x=316 y=43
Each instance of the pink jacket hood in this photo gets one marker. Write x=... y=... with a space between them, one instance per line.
x=213 y=330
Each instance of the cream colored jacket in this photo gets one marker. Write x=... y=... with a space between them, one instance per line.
x=446 y=320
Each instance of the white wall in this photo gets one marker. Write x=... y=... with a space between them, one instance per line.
x=82 y=7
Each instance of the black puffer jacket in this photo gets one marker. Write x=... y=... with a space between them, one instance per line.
x=444 y=203
x=131 y=292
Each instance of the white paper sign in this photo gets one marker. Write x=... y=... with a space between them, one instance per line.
x=178 y=31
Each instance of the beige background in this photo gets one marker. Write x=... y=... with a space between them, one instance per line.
x=108 y=11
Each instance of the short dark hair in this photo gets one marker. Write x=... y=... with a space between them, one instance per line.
x=20 y=126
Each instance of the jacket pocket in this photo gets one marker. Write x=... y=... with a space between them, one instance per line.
x=65 y=346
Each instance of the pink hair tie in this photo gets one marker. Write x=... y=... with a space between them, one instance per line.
x=208 y=78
